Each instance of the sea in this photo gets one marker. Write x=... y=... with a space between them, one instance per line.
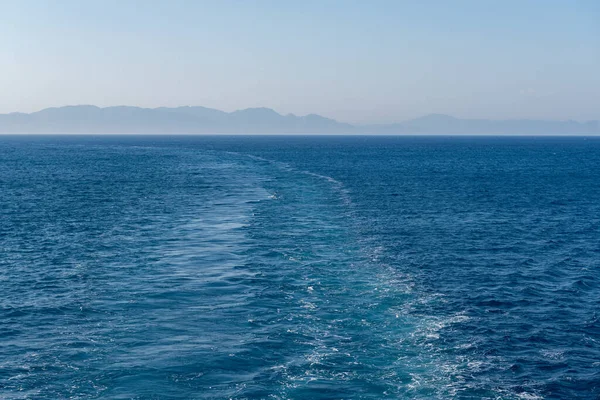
x=299 y=267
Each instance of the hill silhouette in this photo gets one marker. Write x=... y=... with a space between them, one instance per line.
x=85 y=119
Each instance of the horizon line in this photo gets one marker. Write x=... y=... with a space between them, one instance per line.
x=420 y=135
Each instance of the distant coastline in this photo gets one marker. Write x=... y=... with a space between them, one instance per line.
x=86 y=119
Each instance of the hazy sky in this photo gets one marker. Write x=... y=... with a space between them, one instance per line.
x=356 y=61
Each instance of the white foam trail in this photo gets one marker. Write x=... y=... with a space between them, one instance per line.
x=336 y=184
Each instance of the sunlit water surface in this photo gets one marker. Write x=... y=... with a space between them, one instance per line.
x=299 y=267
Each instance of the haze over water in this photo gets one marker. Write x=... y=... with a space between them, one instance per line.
x=377 y=62
x=299 y=267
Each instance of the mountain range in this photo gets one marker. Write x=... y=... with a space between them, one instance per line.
x=86 y=119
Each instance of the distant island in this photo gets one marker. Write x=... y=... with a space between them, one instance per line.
x=86 y=119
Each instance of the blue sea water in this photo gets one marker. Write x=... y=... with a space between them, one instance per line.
x=299 y=267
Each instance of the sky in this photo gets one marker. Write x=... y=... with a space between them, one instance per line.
x=357 y=61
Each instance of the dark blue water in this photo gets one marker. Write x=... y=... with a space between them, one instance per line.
x=299 y=267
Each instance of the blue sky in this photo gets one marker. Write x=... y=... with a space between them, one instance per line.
x=356 y=61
